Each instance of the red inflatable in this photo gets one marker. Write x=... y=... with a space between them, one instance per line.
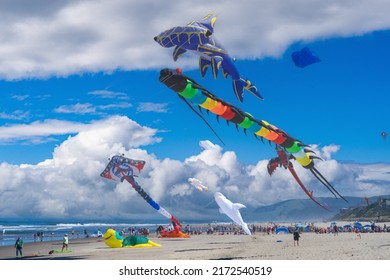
x=174 y=232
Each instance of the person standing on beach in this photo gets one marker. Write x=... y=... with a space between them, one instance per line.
x=19 y=247
x=296 y=236
x=65 y=242
x=335 y=230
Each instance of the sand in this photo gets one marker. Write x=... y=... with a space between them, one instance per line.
x=312 y=246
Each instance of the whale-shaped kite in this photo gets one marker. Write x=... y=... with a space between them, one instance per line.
x=231 y=210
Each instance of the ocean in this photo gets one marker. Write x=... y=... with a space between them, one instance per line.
x=49 y=230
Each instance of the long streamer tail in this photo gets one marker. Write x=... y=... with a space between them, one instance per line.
x=149 y=200
x=200 y=116
x=325 y=182
x=295 y=175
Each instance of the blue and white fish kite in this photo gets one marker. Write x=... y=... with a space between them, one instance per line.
x=197 y=36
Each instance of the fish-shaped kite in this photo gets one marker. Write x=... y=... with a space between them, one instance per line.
x=197 y=36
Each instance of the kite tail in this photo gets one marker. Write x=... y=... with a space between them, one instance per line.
x=149 y=200
x=325 y=182
x=240 y=84
x=295 y=175
x=200 y=116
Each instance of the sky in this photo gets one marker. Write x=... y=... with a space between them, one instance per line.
x=79 y=84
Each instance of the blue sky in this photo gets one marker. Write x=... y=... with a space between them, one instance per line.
x=71 y=77
x=341 y=100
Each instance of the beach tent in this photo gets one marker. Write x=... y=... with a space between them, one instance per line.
x=281 y=230
x=301 y=227
x=367 y=228
x=358 y=226
x=347 y=228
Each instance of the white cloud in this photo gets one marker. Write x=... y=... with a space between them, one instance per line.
x=73 y=36
x=69 y=183
x=77 y=108
x=45 y=128
x=109 y=94
x=114 y=106
x=152 y=107
x=88 y=108
x=15 y=115
x=327 y=151
x=20 y=97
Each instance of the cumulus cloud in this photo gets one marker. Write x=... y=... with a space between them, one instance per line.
x=69 y=184
x=327 y=151
x=75 y=36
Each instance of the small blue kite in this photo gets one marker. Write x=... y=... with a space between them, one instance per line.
x=304 y=58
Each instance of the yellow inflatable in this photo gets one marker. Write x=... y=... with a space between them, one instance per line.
x=113 y=239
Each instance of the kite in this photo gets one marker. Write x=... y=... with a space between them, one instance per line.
x=113 y=239
x=198 y=184
x=173 y=231
x=284 y=160
x=384 y=135
x=197 y=37
x=231 y=210
x=304 y=58
x=190 y=91
x=120 y=168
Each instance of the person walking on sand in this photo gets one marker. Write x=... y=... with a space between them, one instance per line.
x=296 y=236
x=65 y=242
x=19 y=247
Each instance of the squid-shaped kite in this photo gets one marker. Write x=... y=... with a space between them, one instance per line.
x=190 y=91
x=197 y=37
x=120 y=168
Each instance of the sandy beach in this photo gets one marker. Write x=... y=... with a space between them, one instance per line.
x=262 y=246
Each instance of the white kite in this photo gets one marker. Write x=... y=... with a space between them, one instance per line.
x=198 y=184
x=231 y=210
